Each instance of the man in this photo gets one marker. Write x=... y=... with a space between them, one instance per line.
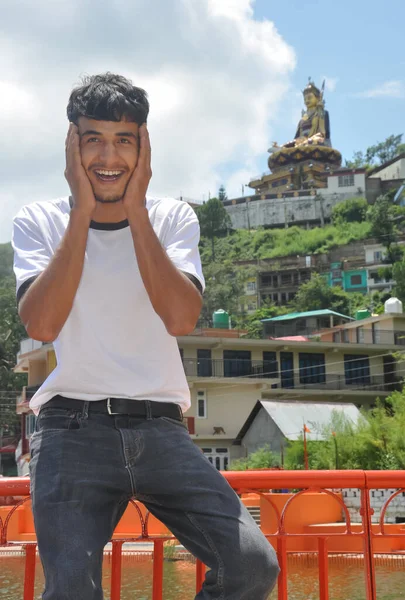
x=111 y=278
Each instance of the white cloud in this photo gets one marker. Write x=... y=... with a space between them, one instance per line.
x=330 y=83
x=388 y=89
x=216 y=78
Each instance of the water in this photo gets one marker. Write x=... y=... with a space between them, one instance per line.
x=346 y=581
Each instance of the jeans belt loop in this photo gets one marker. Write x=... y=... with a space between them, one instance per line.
x=109 y=407
x=85 y=411
x=148 y=409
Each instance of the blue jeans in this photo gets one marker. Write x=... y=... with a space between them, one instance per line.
x=85 y=467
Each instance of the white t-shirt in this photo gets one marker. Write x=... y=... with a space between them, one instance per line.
x=113 y=344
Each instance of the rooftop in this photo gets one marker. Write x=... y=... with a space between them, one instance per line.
x=290 y=417
x=311 y=313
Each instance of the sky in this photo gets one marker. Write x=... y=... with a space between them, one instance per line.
x=224 y=79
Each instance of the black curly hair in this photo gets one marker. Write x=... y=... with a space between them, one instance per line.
x=108 y=97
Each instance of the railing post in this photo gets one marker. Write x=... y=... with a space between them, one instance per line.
x=157 y=591
x=323 y=569
x=116 y=564
x=282 y=561
x=29 y=578
x=199 y=575
x=369 y=565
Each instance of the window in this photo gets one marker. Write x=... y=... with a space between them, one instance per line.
x=360 y=335
x=283 y=298
x=251 y=286
x=286 y=278
x=270 y=365
x=312 y=367
x=296 y=278
x=204 y=363
x=266 y=280
x=30 y=421
x=252 y=306
x=201 y=404
x=219 y=457
x=357 y=369
x=378 y=256
x=346 y=180
x=337 y=274
x=345 y=336
x=237 y=363
x=355 y=280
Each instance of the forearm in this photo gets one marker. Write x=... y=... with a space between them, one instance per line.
x=47 y=303
x=173 y=296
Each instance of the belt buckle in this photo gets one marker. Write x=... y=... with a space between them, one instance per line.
x=109 y=408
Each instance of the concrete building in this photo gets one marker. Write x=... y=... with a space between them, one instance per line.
x=227 y=375
x=284 y=207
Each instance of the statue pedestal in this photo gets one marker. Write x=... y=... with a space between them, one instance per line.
x=298 y=168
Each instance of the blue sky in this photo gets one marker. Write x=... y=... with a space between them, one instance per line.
x=224 y=79
x=361 y=44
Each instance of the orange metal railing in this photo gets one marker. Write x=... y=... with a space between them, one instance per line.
x=329 y=483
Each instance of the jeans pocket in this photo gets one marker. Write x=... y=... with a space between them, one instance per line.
x=56 y=419
x=174 y=422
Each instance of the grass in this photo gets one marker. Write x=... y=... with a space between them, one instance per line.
x=272 y=243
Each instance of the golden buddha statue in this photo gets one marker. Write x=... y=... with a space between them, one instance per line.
x=304 y=162
x=313 y=128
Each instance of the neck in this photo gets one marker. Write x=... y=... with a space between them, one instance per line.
x=109 y=213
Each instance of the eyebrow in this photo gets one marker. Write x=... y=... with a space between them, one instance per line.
x=118 y=134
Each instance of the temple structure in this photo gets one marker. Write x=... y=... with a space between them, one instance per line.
x=305 y=162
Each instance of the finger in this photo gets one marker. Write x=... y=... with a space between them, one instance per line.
x=73 y=146
x=145 y=149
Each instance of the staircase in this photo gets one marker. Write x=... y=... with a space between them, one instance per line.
x=255 y=512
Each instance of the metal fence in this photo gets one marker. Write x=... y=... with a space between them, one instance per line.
x=330 y=483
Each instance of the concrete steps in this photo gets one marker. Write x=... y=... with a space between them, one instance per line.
x=255 y=512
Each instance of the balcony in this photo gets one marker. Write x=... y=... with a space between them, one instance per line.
x=286 y=380
x=253 y=369
x=341 y=382
x=369 y=336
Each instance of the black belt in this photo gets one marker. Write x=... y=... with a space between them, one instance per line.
x=121 y=406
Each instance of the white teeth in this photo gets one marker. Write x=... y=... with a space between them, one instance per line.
x=108 y=172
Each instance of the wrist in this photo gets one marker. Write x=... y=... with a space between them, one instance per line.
x=80 y=217
x=137 y=214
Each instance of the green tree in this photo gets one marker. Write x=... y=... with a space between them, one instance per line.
x=263 y=458
x=222 y=195
x=384 y=151
x=349 y=211
x=377 y=154
x=214 y=220
x=225 y=284
x=384 y=225
x=316 y=294
x=252 y=322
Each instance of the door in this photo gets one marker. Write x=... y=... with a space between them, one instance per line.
x=204 y=363
x=287 y=369
x=237 y=363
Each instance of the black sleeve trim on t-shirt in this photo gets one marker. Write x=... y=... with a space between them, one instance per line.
x=195 y=281
x=24 y=287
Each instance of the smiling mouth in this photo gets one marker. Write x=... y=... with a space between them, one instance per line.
x=108 y=176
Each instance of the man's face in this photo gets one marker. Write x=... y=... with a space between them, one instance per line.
x=109 y=152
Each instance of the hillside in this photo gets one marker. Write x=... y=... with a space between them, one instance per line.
x=271 y=243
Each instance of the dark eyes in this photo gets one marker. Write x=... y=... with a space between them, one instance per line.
x=95 y=139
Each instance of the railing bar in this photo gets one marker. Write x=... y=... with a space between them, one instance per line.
x=323 y=567
x=116 y=567
x=282 y=561
x=157 y=592
x=29 y=578
x=369 y=564
x=200 y=575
